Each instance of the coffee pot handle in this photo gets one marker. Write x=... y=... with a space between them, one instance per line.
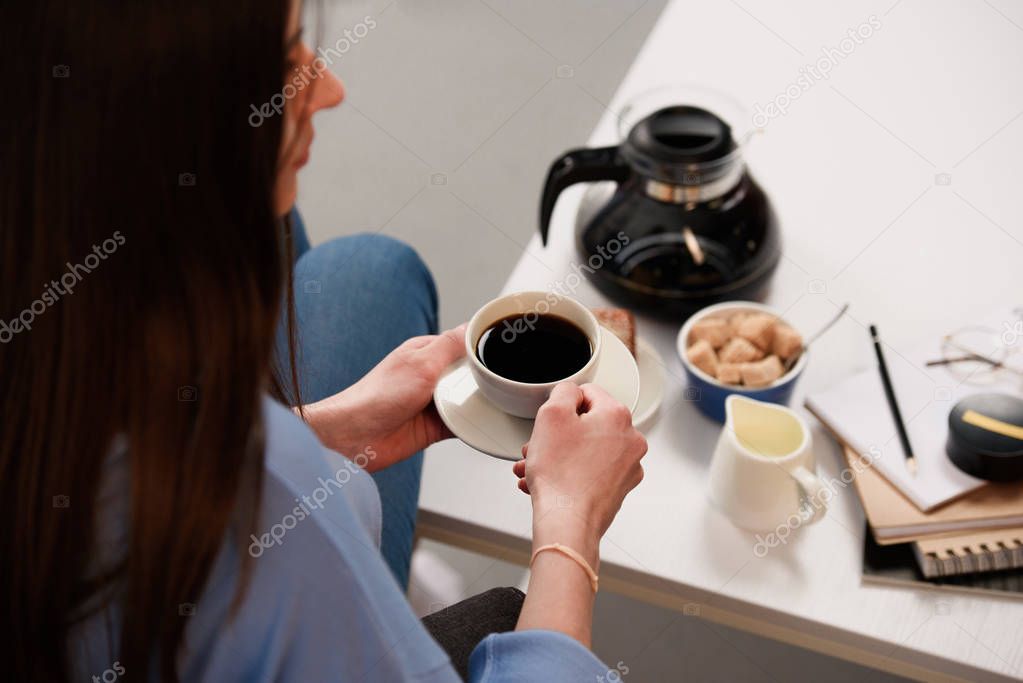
x=811 y=492
x=579 y=166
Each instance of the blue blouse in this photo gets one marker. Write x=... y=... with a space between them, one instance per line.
x=320 y=605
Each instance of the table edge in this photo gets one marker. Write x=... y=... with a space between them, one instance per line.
x=762 y=621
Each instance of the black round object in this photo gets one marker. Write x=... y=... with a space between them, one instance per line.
x=985 y=436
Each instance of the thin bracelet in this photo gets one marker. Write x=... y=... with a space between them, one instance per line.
x=570 y=553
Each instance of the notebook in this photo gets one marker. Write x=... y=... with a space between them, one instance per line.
x=855 y=409
x=894 y=565
x=895 y=520
x=975 y=553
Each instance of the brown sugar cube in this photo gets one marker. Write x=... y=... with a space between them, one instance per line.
x=714 y=330
x=735 y=321
x=739 y=350
x=761 y=373
x=701 y=354
x=730 y=373
x=759 y=329
x=787 y=342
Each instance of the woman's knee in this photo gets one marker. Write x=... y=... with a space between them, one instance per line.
x=378 y=271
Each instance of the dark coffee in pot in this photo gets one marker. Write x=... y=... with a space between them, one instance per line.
x=534 y=348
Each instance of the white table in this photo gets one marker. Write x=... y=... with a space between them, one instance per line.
x=853 y=171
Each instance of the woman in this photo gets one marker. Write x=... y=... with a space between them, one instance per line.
x=163 y=517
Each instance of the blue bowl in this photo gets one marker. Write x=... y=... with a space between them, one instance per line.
x=709 y=394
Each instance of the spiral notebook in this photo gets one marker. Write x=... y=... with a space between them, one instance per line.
x=976 y=553
x=894 y=565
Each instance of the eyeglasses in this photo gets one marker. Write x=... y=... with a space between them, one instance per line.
x=981 y=355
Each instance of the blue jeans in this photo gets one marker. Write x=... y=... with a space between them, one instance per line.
x=356 y=299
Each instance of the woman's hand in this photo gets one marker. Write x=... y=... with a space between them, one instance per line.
x=389 y=413
x=583 y=455
x=581 y=461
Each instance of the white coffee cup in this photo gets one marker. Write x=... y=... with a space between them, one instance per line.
x=523 y=399
x=762 y=474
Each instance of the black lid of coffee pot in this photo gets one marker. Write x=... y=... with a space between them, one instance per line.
x=681 y=144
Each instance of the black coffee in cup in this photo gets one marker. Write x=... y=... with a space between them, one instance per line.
x=534 y=348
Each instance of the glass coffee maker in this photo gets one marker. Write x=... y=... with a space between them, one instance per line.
x=684 y=225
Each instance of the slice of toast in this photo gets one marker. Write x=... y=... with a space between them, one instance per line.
x=621 y=322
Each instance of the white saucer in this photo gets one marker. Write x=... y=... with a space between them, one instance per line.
x=479 y=423
x=651 y=382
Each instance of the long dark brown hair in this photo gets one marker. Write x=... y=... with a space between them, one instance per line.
x=143 y=274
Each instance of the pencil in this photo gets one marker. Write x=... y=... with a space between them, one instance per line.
x=893 y=405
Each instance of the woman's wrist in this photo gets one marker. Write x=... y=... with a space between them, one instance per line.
x=560 y=595
x=562 y=522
